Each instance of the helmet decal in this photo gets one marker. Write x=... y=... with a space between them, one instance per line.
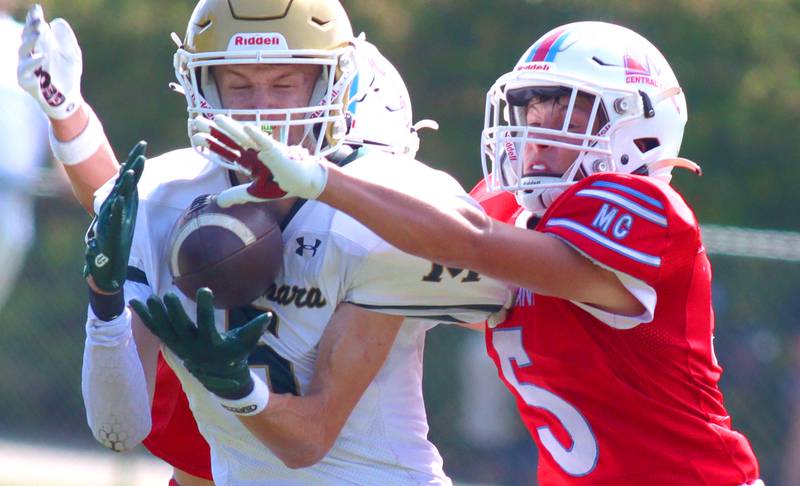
x=639 y=69
x=546 y=49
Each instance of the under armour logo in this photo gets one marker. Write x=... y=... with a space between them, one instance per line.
x=302 y=246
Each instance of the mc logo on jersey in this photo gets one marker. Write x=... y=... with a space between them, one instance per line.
x=607 y=215
x=640 y=70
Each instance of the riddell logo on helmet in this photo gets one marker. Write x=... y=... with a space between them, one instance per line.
x=241 y=40
x=511 y=151
x=257 y=40
x=534 y=66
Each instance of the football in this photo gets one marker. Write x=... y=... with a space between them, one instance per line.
x=236 y=252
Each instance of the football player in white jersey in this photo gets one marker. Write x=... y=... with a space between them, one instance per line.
x=51 y=51
x=343 y=356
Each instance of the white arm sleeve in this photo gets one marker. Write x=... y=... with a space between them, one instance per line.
x=120 y=361
x=113 y=381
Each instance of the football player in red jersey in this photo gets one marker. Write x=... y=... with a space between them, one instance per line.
x=609 y=347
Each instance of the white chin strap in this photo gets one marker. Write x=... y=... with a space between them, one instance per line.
x=538 y=200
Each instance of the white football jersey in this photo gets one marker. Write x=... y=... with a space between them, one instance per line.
x=328 y=258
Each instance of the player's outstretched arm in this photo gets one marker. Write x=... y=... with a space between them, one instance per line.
x=468 y=238
x=118 y=361
x=301 y=430
x=50 y=68
x=460 y=236
x=455 y=235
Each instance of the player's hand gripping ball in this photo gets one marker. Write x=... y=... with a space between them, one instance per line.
x=236 y=252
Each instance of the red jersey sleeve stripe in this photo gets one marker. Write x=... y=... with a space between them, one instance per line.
x=623 y=201
x=623 y=250
x=633 y=192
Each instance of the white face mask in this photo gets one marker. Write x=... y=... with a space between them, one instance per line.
x=323 y=120
x=549 y=137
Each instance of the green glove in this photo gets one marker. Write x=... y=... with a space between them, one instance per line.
x=109 y=238
x=219 y=362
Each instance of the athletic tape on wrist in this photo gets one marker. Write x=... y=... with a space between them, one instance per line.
x=81 y=147
x=253 y=403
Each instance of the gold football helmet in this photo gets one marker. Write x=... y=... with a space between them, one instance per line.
x=308 y=32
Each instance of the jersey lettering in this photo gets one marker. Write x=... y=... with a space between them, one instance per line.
x=623 y=226
x=279 y=371
x=298 y=296
x=437 y=271
x=580 y=458
x=608 y=215
x=604 y=217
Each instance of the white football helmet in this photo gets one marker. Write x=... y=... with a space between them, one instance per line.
x=315 y=32
x=379 y=114
x=636 y=122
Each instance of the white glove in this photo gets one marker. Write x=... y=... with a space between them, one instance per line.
x=279 y=171
x=50 y=64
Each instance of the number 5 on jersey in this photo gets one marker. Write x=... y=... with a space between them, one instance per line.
x=580 y=458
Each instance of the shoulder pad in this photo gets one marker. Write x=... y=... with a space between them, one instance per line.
x=625 y=222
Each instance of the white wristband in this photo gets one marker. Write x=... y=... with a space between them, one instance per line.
x=108 y=333
x=253 y=403
x=81 y=147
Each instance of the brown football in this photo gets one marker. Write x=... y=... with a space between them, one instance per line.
x=236 y=252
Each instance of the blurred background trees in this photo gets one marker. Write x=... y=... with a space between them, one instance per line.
x=738 y=62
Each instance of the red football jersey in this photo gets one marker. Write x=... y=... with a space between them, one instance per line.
x=611 y=403
x=174 y=437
